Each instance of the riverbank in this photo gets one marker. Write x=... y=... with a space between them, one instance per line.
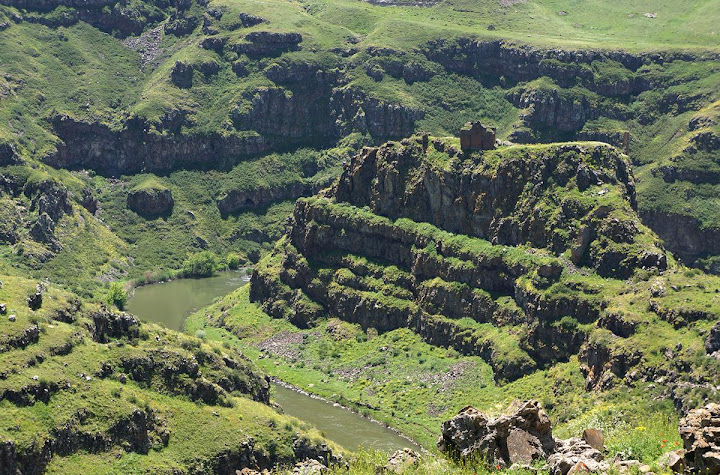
x=170 y=304
x=412 y=444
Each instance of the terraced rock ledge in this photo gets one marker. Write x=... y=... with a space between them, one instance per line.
x=520 y=255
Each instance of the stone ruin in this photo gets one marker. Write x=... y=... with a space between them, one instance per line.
x=475 y=136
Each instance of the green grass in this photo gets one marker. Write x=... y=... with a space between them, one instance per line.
x=66 y=355
x=397 y=378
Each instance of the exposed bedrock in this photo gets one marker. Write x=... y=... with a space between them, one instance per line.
x=505 y=204
x=110 y=16
x=151 y=202
x=133 y=149
x=323 y=113
x=525 y=63
x=455 y=227
x=271 y=119
x=684 y=235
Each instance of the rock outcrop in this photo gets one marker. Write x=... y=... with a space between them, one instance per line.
x=113 y=325
x=269 y=118
x=151 y=201
x=519 y=438
x=268 y=43
x=499 y=205
x=430 y=210
x=700 y=431
x=111 y=16
x=712 y=342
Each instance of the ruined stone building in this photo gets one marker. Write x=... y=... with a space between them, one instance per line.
x=475 y=136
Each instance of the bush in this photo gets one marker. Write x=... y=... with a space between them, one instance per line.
x=116 y=295
x=232 y=260
x=202 y=264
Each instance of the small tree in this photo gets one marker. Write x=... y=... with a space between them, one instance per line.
x=202 y=264
x=116 y=295
x=232 y=260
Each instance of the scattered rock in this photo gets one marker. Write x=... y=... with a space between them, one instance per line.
x=401 y=461
x=310 y=467
x=595 y=438
x=247 y=471
x=651 y=15
x=576 y=456
x=700 y=431
x=12 y=318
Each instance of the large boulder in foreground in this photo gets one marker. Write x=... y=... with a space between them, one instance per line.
x=150 y=200
x=700 y=431
x=521 y=437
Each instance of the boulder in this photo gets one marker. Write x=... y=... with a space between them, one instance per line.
x=521 y=437
x=151 y=201
x=401 y=461
x=700 y=431
x=676 y=461
x=594 y=438
x=35 y=301
x=3 y=309
x=575 y=456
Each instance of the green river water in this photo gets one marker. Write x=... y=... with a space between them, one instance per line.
x=170 y=303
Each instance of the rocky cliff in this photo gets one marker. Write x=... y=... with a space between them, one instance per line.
x=495 y=254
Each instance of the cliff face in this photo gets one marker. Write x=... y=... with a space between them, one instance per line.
x=272 y=119
x=417 y=234
x=518 y=196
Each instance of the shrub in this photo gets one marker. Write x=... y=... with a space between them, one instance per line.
x=116 y=295
x=202 y=264
x=232 y=260
x=200 y=334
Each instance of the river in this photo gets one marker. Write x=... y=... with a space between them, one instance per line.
x=170 y=303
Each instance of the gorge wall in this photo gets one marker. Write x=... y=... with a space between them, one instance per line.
x=484 y=252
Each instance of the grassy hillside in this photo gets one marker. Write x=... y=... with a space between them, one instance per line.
x=88 y=96
x=83 y=389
